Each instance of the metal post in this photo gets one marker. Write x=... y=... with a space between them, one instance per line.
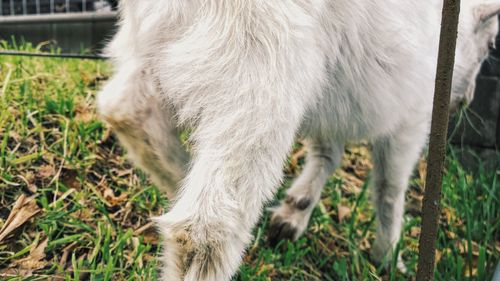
x=496 y=277
x=67 y=6
x=84 y=5
x=37 y=7
x=12 y=7
x=51 y=6
x=25 y=8
x=1 y=8
x=437 y=144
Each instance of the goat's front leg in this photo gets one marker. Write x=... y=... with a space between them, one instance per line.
x=290 y=219
x=238 y=160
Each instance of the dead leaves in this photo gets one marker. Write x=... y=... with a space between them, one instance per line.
x=27 y=266
x=343 y=212
x=24 y=209
x=351 y=184
x=85 y=113
x=46 y=171
x=297 y=155
x=422 y=172
x=357 y=160
x=112 y=200
x=356 y=166
x=149 y=233
x=35 y=260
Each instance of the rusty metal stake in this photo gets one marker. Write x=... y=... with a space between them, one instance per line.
x=437 y=145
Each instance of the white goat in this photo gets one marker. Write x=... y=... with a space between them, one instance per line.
x=247 y=76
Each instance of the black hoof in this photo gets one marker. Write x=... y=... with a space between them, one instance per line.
x=280 y=230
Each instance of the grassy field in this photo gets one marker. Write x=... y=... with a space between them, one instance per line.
x=82 y=211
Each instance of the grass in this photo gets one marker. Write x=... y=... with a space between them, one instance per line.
x=86 y=209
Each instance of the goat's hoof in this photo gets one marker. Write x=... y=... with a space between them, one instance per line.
x=400 y=267
x=280 y=229
x=289 y=220
x=386 y=262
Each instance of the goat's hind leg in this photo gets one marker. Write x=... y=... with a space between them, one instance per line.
x=394 y=159
x=290 y=219
x=145 y=126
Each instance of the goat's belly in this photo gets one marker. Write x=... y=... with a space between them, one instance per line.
x=373 y=101
x=340 y=117
x=365 y=108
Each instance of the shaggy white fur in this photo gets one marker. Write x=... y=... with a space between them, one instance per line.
x=247 y=76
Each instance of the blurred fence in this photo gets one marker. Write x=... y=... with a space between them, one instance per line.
x=475 y=131
x=31 y=7
x=74 y=26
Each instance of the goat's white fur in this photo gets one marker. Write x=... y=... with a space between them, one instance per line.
x=246 y=76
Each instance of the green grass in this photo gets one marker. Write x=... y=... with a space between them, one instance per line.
x=94 y=207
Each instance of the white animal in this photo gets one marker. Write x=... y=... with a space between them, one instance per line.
x=246 y=77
